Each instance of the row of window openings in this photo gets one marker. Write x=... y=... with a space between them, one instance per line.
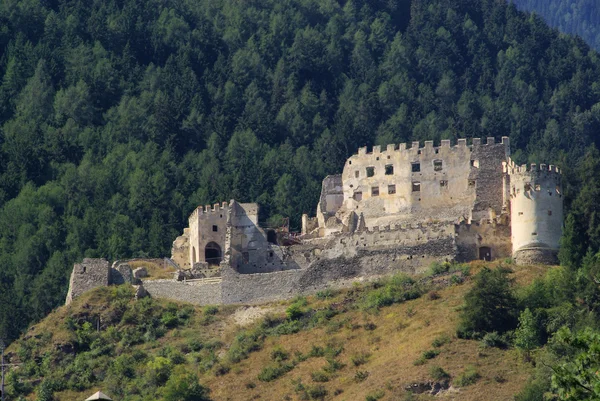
x=416 y=187
x=438 y=165
x=527 y=188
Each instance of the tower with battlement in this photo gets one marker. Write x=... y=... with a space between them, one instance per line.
x=536 y=206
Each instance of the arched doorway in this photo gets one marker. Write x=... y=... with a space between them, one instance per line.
x=212 y=253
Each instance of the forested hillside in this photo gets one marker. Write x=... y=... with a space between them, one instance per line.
x=575 y=17
x=119 y=117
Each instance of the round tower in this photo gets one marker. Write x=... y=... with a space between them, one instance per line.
x=536 y=208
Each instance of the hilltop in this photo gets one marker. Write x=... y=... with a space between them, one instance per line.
x=373 y=340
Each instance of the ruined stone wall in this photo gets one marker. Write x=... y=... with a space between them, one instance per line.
x=334 y=268
x=472 y=238
x=195 y=292
x=206 y=225
x=332 y=198
x=488 y=177
x=180 y=251
x=87 y=275
x=416 y=242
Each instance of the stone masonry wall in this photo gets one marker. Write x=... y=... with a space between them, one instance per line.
x=199 y=293
x=87 y=275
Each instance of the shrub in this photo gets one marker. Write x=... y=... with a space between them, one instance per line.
x=454 y=279
x=489 y=306
x=494 y=339
x=437 y=373
x=185 y=387
x=360 y=359
x=158 y=370
x=244 y=343
x=333 y=365
x=440 y=341
x=279 y=355
x=361 y=376
x=468 y=377
x=273 y=372
x=438 y=268
x=375 y=395
x=317 y=392
x=294 y=312
x=319 y=376
x=325 y=294
x=210 y=310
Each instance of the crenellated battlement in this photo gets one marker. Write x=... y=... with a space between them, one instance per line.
x=208 y=209
x=428 y=146
x=532 y=169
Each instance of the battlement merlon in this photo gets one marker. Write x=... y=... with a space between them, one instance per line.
x=445 y=144
x=207 y=209
x=513 y=169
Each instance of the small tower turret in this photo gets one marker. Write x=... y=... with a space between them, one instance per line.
x=536 y=212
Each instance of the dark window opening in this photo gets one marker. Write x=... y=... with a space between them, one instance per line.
x=391 y=189
x=349 y=161
x=357 y=196
x=527 y=187
x=389 y=157
x=485 y=253
x=272 y=237
x=375 y=191
x=437 y=165
x=212 y=253
x=377 y=158
x=550 y=193
x=84 y=268
x=416 y=167
x=370 y=171
x=389 y=169
x=533 y=233
x=397 y=146
x=443 y=183
x=520 y=213
x=549 y=212
x=416 y=186
x=472 y=184
x=356 y=174
x=437 y=151
x=215 y=228
x=419 y=152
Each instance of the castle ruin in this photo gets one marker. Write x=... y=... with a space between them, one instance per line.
x=393 y=210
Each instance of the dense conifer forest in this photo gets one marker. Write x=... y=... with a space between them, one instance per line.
x=575 y=17
x=119 y=117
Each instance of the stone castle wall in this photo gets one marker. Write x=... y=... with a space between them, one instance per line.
x=199 y=292
x=445 y=183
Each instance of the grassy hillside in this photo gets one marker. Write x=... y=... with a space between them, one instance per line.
x=364 y=343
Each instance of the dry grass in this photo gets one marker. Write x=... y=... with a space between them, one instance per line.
x=155 y=271
x=402 y=333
